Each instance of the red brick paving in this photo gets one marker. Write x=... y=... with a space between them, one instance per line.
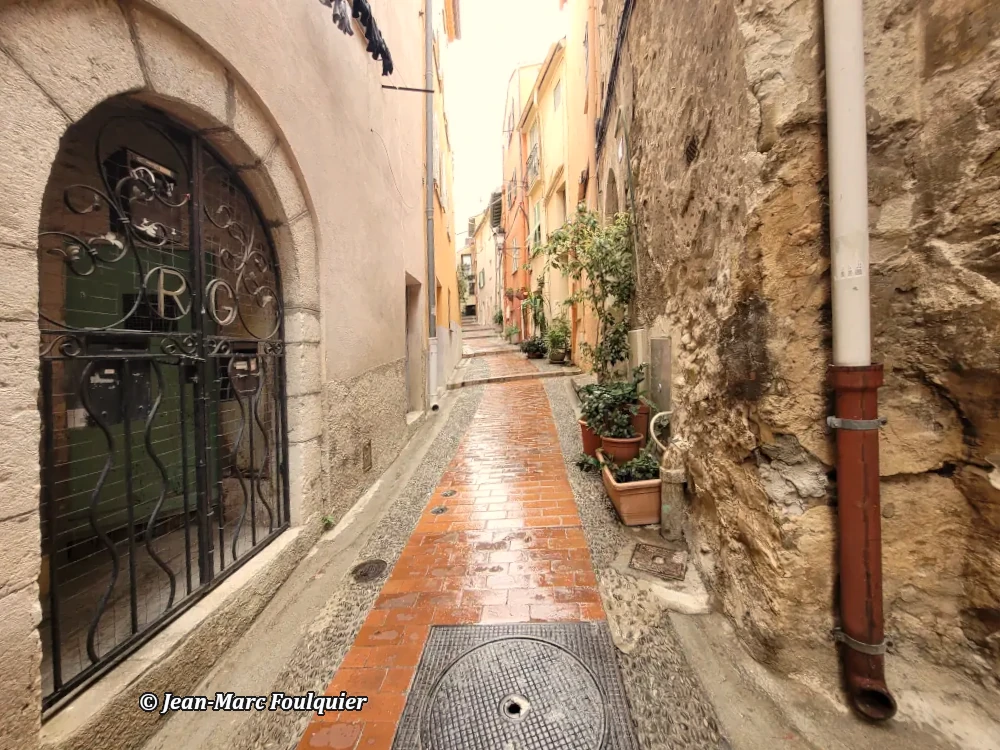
x=509 y=549
x=515 y=363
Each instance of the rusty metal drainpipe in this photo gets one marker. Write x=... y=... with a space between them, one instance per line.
x=855 y=380
x=861 y=633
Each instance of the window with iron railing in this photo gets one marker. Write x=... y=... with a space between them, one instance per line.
x=533 y=165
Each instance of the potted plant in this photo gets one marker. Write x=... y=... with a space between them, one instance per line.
x=498 y=318
x=557 y=337
x=619 y=440
x=510 y=332
x=611 y=409
x=640 y=418
x=534 y=347
x=634 y=488
x=509 y=293
x=522 y=293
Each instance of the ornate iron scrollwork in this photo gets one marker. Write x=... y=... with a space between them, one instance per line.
x=164 y=451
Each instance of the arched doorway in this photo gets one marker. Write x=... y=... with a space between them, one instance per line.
x=162 y=385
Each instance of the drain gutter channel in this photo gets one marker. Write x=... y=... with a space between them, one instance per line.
x=855 y=380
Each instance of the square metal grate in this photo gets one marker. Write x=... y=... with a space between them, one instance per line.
x=664 y=562
x=537 y=686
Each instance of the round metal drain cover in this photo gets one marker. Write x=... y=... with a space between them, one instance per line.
x=439 y=510
x=369 y=570
x=517 y=693
x=448 y=493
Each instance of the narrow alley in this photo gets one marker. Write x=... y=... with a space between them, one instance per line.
x=500 y=375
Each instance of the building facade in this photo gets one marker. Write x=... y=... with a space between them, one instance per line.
x=486 y=262
x=447 y=343
x=214 y=323
x=583 y=92
x=543 y=130
x=515 y=220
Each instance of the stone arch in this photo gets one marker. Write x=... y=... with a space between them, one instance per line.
x=58 y=60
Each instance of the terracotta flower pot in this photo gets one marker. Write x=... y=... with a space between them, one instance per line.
x=640 y=423
x=621 y=450
x=637 y=503
x=591 y=440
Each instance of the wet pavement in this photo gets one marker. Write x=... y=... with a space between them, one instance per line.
x=525 y=538
x=508 y=548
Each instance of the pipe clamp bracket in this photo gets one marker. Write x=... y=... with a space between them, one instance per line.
x=865 y=648
x=860 y=425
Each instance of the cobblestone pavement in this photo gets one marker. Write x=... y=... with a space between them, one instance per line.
x=509 y=548
x=669 y=706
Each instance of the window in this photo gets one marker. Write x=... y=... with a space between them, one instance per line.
x=557 y=96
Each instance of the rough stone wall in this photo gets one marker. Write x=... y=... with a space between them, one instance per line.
x=729 y=165
x=371 y=407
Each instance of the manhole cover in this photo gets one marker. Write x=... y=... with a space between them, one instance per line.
x=557 y=703
x=663 y=562
x=536 y=687
x=369 y=570
x=439 y=510
x=448 y=493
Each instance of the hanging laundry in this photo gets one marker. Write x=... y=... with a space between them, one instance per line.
x=341 y=15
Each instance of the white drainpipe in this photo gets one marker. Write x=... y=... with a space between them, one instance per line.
x=848 y=169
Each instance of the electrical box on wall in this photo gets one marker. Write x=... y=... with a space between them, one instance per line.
x=366 y=456
x=659 y=372
x=638 y=350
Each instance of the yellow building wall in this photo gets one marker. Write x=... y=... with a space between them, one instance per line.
x=444 y=221
x=583 y=108
x=548 y=108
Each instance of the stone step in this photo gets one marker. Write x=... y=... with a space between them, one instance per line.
x=567 y=372
x=506 y=349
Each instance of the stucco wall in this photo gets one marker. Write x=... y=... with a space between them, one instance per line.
x=328 y=154
x=729 y=167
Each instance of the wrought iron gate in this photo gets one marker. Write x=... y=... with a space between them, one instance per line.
x=162 y=386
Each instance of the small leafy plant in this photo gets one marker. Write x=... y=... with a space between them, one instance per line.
x=558 y=334
x=510 y=332
x=608 y=408
x=640 y=469
x=588 y=464
x=329 y=522
x=498 y=318
x=535 y=346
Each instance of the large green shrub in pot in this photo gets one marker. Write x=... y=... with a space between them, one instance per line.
x=601 y=257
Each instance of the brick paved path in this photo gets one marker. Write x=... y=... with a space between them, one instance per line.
x=510 y=548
